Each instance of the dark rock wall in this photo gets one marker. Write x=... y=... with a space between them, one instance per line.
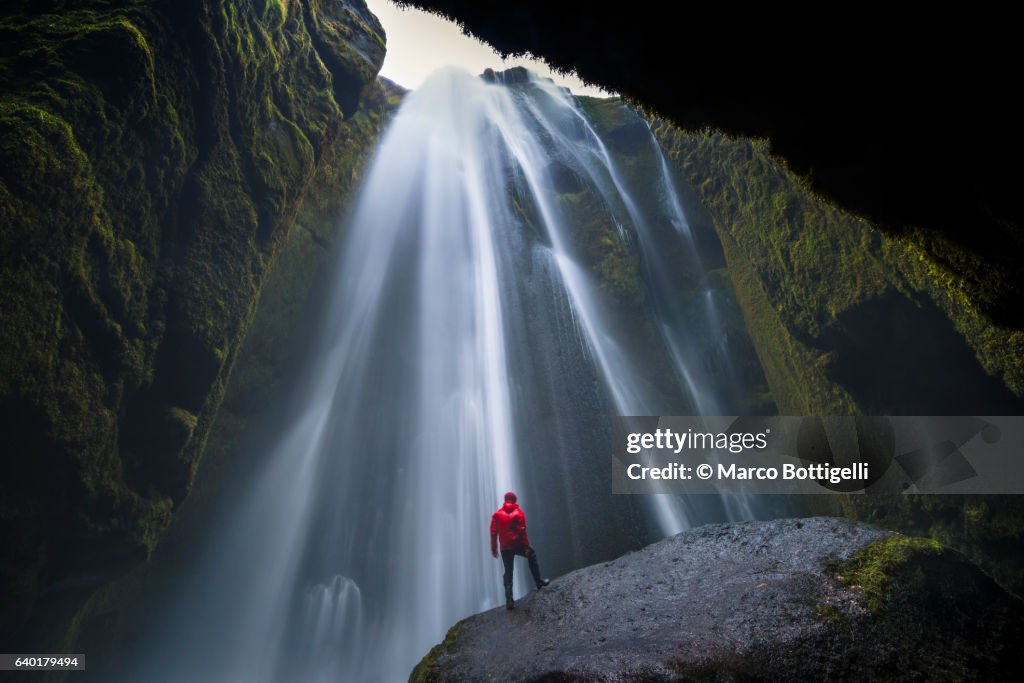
x=850 y=320
x=117 y=622
x=846 y=318
x=156 y=155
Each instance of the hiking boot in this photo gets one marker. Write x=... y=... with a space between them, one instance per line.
x=509 y=602
x=542 y=583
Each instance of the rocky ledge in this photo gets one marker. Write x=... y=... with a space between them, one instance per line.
x=799 y=599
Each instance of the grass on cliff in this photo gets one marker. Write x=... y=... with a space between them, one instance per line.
x=874 y=570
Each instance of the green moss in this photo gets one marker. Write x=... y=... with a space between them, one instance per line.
x=284 y=320
x=429 y=669
x=813 y=263
x=795 y=373
x=1000 y=349
x=151 y=523
x=800 y=267
x=833 y=616
x=156 y=160
x=987 y=529
x=274 y=12
x=875 y=569
x=614 y=264
x=183 y=420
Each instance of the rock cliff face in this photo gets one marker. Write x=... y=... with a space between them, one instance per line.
x=847 y=318
x=156 y=156
x=851 y=320
x=811 y=599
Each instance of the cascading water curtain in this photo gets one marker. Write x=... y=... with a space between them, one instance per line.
x=466 y=350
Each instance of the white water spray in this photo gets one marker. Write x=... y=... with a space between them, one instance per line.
x=365 y=537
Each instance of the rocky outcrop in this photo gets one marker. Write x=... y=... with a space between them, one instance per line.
x=906 y=126
x=156 y=157
x=811 y=599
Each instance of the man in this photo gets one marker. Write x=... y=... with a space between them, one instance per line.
x=508 y=525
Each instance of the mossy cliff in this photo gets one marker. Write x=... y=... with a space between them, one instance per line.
x=156 y=158
x=847 y=319
x=114 y=623
x=290 y=306
x=850 y=320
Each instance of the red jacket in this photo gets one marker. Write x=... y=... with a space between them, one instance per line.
x=508 y=525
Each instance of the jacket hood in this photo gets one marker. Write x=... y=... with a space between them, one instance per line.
x=509 y=506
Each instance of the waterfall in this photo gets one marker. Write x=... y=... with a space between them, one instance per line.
x=469 y=347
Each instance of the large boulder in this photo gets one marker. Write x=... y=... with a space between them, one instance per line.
x=799 y=599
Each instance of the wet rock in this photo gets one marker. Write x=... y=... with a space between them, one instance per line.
x=793 y=599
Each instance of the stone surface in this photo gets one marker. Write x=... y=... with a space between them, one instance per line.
x=800 y=599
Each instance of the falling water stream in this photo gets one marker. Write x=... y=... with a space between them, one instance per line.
x=467 y=348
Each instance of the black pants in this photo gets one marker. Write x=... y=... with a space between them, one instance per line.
x=509 y=554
